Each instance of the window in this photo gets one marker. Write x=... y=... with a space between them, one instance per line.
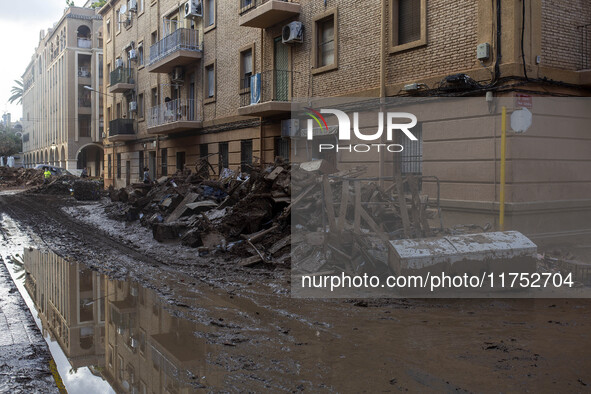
x=325 y=42
x=210 y=81
x=180 y=161
x=246 y=155
x=108 y=29
x=141 y=165
x=282 y=147
x=119 y=20
x=109 y=166
x=223 y=156
x=140 y=6
x=140 y=105
x=121 y=368
x=325 y=46
x=110 y=357
x=140 y=54
x=411 y=158
x=84 y=125
x=245 y=5
x=246 y=67
x=164 y=161
x=203 y=150
x=118 y=165
x=409 y=24
x=154 y=37
x=209 y=13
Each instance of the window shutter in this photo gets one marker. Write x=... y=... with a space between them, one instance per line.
x=409 y=21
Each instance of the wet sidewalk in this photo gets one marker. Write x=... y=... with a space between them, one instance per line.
x=24 y=355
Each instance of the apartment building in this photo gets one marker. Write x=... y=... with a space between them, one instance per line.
x=62 y=106
x=70 y=300
x=220 y=78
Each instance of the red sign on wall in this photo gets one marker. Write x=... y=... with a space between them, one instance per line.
x=523 y=100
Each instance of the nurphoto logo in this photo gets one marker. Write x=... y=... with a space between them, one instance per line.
x=344 y=130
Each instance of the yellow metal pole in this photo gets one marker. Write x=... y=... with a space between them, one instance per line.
x=503 y=148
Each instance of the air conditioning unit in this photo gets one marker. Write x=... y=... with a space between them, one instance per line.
x=133 y=5
x=118 y=63
x=293 y=33
x=177 y=74
x=193 y=9
x=132 y=54
x=133 y=108
x=290 y=127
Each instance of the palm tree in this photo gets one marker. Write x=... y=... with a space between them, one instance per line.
x=17 y=92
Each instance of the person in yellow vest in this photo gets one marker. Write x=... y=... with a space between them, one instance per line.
x=46 y=175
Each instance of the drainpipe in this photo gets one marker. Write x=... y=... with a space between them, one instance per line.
x=503 y=153
x=261 y=143
x=382 y=159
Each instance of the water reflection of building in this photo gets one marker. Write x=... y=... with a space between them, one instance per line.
x=148 y=350
x=70 y=301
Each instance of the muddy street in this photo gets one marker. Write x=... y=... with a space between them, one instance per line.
x=158 y=316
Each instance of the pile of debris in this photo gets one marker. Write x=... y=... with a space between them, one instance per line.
x=11 y=177
x=341 y=221
x=66 y=185
x=238 y=213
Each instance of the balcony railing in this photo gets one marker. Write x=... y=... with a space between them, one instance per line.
x=84 y=42
x=121 y=127
x=84 y=72
x=248 y=5
x=585 y=31
x=179 y=40
x=273 y=85
x=84 y=102
x=173 y=111
x=263 y=14
x=121 y=75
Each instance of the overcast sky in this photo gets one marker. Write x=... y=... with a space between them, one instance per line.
x=20 y=23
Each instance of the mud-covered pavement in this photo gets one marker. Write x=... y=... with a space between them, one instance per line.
x=258 y=338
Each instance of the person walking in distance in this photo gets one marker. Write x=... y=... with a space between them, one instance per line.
x=147 y=179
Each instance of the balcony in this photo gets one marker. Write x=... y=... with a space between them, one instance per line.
x=270 y=93
x=84 y=72
x=84 y=102
x=121 y=80
x=84 y=43
x=266 y=13
x=179 y=48
x=121 y=130
x=173 y=116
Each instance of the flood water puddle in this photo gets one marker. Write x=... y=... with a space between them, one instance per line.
x=109 y=335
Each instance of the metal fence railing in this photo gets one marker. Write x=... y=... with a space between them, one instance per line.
x=585 y=31
x=84 y=72
x=180 y=39
x=121 y=75
x=248 y=5
x=273 y=85
x=84 y=42
x=121 y=127
x=173 y=111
